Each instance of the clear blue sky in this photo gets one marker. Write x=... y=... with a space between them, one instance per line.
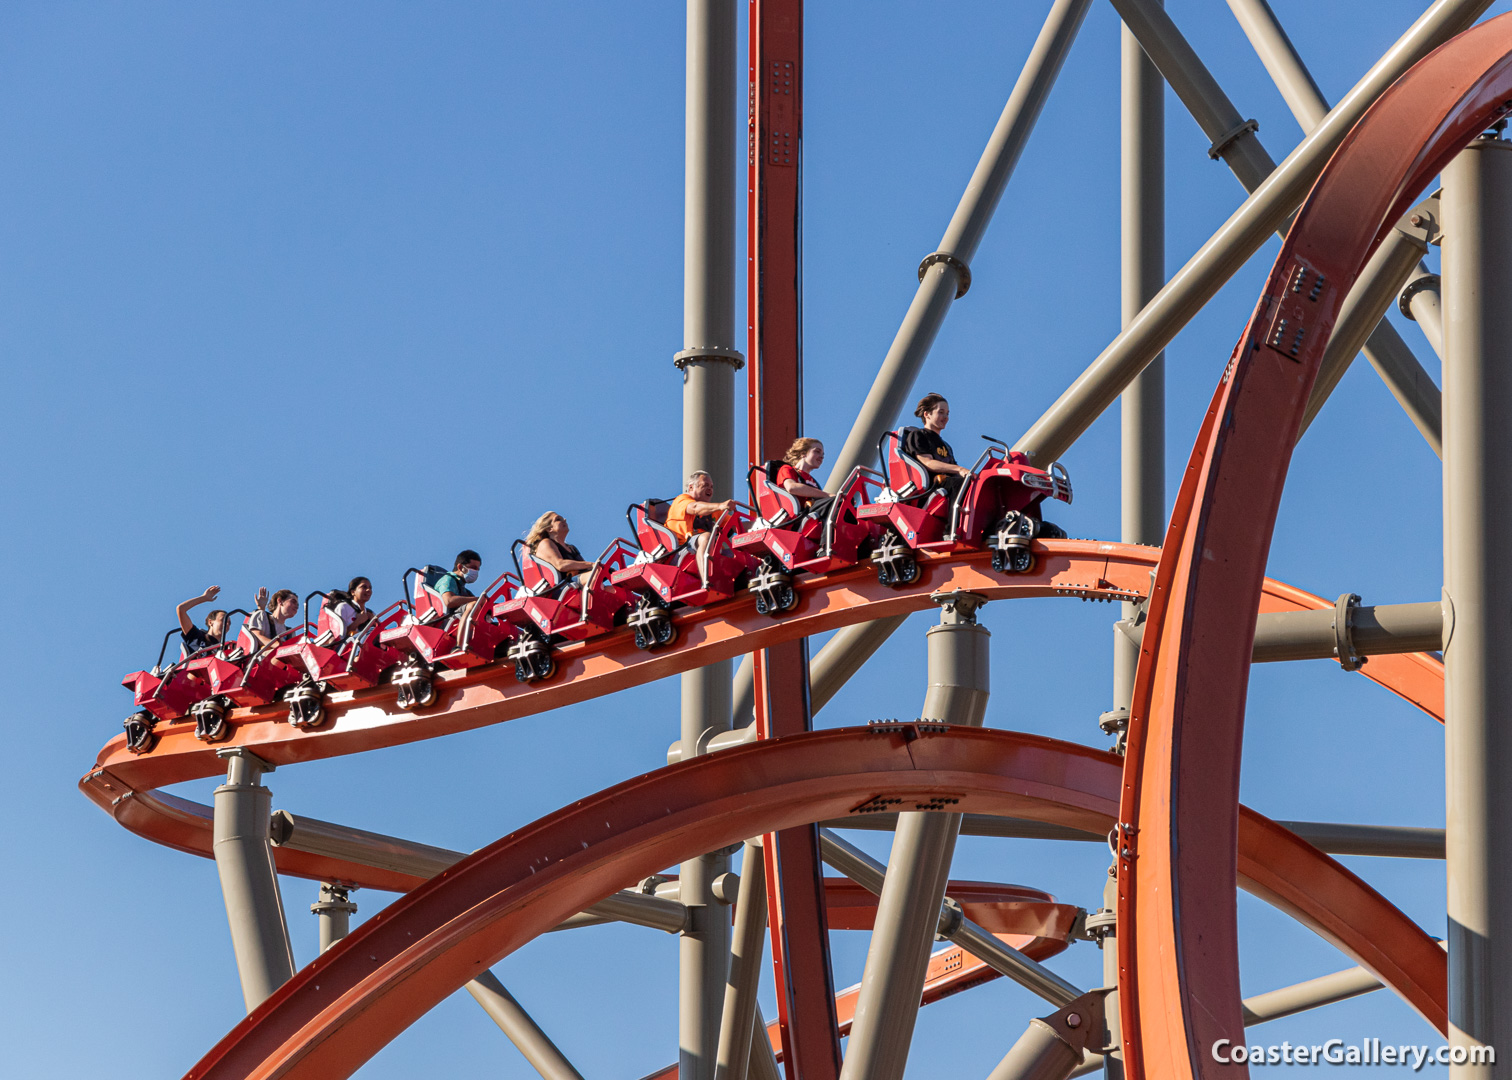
x=292 y=292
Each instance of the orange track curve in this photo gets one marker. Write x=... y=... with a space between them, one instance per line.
x=344 y=1006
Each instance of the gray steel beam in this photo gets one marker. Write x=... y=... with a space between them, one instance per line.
x=708 y=361
x=1288 y=1001
x=248 y=878
x=1336 y=838
x=1395 y=261
x=1384 y=348
x=945 y=274
x=738 y=1020
x=1060 y=1045
x=953 y=925
x=1477 y=271
x=1234 y=139
x=1107 y=942
x=1142 y=254
x=299 y=833
x=908 y=907
x=763 y=1060
x=1422 y=303
x=1233 y=244
x=523 y=1031
x=1362 y=631
x=334 y=909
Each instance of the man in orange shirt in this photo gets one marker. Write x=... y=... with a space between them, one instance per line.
x=692 y=512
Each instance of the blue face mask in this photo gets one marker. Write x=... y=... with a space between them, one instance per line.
x=471 y=575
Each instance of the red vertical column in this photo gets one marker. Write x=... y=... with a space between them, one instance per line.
x=774 y=374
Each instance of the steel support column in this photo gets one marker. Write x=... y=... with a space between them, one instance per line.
x=521 y=1028
x=1231 y=246
x=708 y=361
x=334 y=910
x=945 y=274
x=249 y=882
x=738 y=1021
x=1142 y=248
x=908 y=911
x=1477 y=271
x=1421 y=302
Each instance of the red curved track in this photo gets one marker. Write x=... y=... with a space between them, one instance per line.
x=1178 y=948
x=338 y=1011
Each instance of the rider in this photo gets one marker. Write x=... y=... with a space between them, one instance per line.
x=796 y=476
x=453 y=586
x=547 y=541
x=693 y=512
x=926 y=447
x=349 y=605
x=271 y=619
x=214 y=632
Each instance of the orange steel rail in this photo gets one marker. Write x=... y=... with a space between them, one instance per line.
x=1179 y=813
x=347 y=1004
x=123 y=784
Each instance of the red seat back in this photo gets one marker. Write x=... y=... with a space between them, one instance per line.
x=655 y=539
x=538 y=575
x=905 y=476
x=773 y=502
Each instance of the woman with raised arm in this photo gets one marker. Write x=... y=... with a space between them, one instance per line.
x=214 y=632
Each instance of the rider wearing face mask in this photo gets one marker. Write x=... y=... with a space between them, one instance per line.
x=453 y=586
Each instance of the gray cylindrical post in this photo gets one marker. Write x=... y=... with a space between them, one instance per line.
x=708 y=361
x=1477 y=272
x=521 y=1028
x=943 y=279
x=1113 y=1066
x=1040 y=1054
x=335 y=910
x=908 y=911
x=1142 y=246
x=249 y=881
x=738 y=1019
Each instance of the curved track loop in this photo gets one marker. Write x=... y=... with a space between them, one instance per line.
x=122 y=784
x=1178 y=950
x=348 y=1003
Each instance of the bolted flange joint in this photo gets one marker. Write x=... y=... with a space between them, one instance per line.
x=733 y=357
x=1344 y=648
x=958 y=607
x=963 y=272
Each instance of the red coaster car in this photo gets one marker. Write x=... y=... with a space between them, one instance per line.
x=166 y=695
x=668 y=571
x=550 y=606
x=787 y=539
x=998 y=505
x=428 y=636
x=337 y=658
x=249 y=676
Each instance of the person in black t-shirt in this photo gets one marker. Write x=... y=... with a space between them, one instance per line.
x=214 y=633
x=926 y=446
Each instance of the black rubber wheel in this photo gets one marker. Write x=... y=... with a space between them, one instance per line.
x=666 y=632
x=997 y=561
x=908 y=573
x=787 y=598
x=548 y=667
x=640 y=639
x=1020 y=560
x=884 y=574
x=761 y=605
x=425 y=693
x=522 y=672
